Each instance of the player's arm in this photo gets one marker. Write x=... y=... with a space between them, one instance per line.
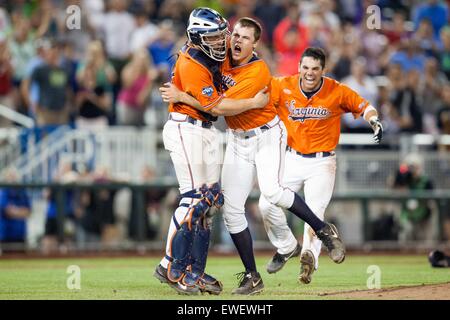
x=226 y=107
x=371 y=116
x=357 y=105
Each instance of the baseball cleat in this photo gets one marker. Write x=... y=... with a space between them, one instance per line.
x=279 y=260
x=249 y=283
x=330 y=238
x=205 y=283
x=209 y=284
x=161 y=274
x=307 y=266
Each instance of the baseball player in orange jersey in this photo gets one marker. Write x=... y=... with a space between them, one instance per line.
x=191 y=139
x=255 y=148
x=311 y=106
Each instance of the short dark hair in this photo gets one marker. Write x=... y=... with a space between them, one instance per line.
x=315 y=53
x=251 y=23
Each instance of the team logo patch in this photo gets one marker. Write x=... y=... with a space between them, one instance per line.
x=207 y=91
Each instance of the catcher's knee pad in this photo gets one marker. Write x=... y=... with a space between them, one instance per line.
x=216 y=191
x=200 y=247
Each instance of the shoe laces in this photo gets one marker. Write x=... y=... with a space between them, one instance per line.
x=278 y=257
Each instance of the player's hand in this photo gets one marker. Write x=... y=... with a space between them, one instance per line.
x=261 y=99
x=377 y=130
x=170 y=93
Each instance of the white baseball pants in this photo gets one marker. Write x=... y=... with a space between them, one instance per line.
x=246 y=157
x=317 y=175
x=196 y=156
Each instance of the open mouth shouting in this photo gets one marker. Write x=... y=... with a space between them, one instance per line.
x=309 y=80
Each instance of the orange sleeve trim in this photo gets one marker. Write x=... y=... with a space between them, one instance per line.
x=214 y=103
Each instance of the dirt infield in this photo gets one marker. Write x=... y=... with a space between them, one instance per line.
x=423 y=292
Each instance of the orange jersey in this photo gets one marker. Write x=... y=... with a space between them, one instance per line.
x=198 y=75
x=243 y=82
x=314 y=124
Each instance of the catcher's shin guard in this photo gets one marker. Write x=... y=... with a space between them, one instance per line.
x=182 y=241
x=200 y=247
x=181 y=246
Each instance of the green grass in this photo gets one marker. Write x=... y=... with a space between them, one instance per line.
x=131 y=278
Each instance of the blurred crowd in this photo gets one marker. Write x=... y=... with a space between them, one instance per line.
x=97 y=66
x=98 y=63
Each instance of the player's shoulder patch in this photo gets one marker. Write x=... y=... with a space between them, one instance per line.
x=207 y=91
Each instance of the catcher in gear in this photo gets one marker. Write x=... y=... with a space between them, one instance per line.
x=193 y=143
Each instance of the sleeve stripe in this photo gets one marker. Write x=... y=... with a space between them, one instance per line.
x=213 y=104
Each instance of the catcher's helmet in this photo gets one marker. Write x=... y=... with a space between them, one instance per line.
x=208 y=30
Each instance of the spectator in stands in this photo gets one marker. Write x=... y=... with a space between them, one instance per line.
x=6 y=72
x=30 y=91
x=395 y=30
x=162 y=50
x=347 y=48
x=443 y=113
x=433 y=10
x=430 y=88
x=151 y=217
x=118 y=26
x=290 y=39
x=409 y=56
x=246 y=8
x=95 y=14
x=145 y=32
x=15 y=209
x=416 y=213
x=55 y=234
x=374 y=47
x=137 y=78
x=79 y=38
x=366 y=86
x=53 y=85
x=5 y=23
x=387 y=111
x=97 y=219
x=444 y=52
x=269 y=13
x=21 y=45
x=177 y=12
x=425 y=38
x=95 y=77
x=406 y=103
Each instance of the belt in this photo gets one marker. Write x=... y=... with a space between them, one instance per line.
x=312 y=155
x=256 y=131
x=179 y=117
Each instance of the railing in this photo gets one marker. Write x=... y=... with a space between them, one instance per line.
x=441 y=197
x=115 y=148
x=16 y=117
